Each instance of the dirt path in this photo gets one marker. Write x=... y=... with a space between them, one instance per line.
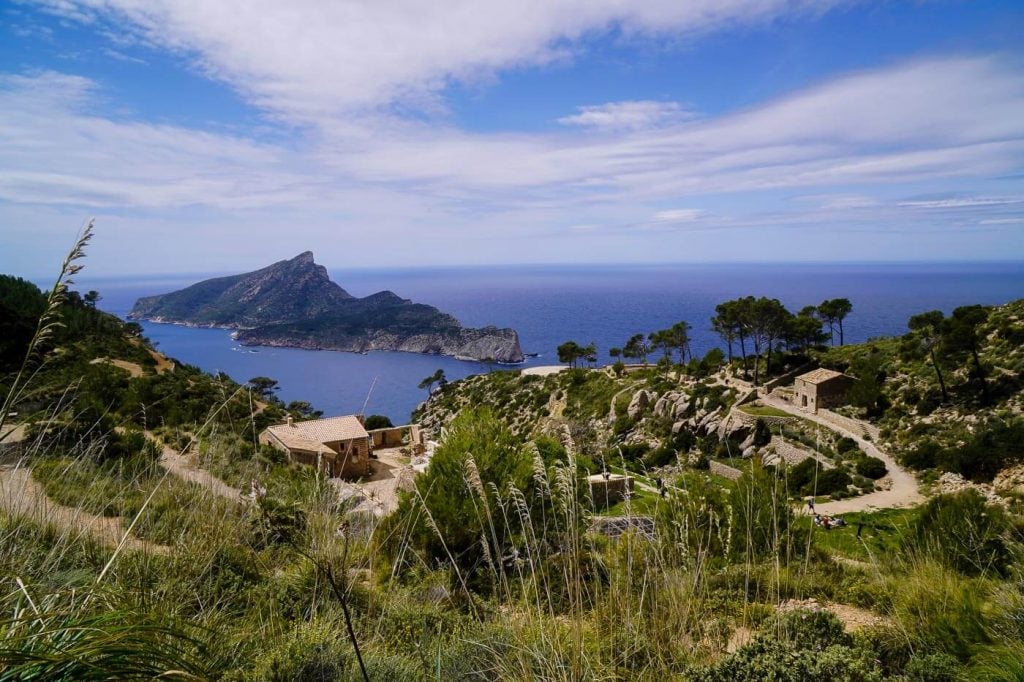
x=133 y=368
x=179 y=465
x=20 y=495
x=902 y=490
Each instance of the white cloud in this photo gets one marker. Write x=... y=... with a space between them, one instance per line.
x=678 y=215
x=1019 y=220
x=309 y=60
x=630 y=115
x=962 y=202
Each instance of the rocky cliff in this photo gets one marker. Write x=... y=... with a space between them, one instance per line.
x=294 y=303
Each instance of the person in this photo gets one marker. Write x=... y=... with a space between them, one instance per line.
x=810 y=503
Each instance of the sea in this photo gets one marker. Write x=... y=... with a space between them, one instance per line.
x=551 y=304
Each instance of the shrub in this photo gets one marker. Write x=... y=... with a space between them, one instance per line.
x=832 y=481
x=847 y=446
x=762 y=435
x=378 y=421
x=963 y=532
x=871 y=467
x=797 y=646
x=934 y=668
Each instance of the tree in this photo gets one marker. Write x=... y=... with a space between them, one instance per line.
x=726 y=324
x=264 y=386
x=929 y=328
x=636 y=347
x=834 y=311
x=661 y=340
x=91 y=298
x=569 y=352
x=866 y=391
x=378 y=421
x=457 y=514
x=679 y=338
x=303 y=410
x=803 y=330
x=961 y=335
x=590 y=353
x=615 y=352
x=435 y=378
x=767 y=320
x=712 y=361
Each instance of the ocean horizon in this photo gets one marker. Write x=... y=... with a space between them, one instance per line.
x=549 y=304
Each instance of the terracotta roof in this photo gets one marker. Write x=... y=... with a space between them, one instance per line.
x=312 y=434
x=820 y=375
x=293 y=440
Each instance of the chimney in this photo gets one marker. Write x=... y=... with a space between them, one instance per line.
x=289 y=421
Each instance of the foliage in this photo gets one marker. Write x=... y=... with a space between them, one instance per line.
x=454 y=515
x=378 y=421
x=871 y=467
x=963 y=532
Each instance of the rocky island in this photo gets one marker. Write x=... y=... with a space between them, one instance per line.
x=294 y=303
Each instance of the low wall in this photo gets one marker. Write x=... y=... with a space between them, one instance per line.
x=396 y=436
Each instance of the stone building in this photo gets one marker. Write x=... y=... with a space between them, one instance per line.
x=338 y=446
x=820 y=388
x=606 y=489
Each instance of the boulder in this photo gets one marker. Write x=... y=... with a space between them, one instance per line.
x=749 y=452
x=661 y=407
x=641 y=399
x=680 y=408
x=679 y=426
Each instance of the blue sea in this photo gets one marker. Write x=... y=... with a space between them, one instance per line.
x=551 y=304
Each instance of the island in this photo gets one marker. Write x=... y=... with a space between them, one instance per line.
x=293 y=303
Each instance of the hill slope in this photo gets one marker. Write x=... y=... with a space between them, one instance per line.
x=294 y=303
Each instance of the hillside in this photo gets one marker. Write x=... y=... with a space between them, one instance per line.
x=294 y=303
x=143 y=534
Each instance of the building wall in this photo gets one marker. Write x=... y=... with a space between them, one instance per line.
x=353 y=458
x=812 y=397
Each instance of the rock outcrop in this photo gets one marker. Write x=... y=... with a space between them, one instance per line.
x=295 y=304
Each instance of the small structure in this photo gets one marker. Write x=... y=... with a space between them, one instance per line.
x=606 y=489
x=338 y=446
x=820 y=388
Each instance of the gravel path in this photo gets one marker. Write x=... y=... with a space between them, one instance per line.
x=901 y=486
x=20 y=495
x=180 y=465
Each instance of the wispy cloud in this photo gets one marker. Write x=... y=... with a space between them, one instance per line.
x=309 y=60
x=631 y=115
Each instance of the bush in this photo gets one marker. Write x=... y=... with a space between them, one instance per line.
x=871 y=467
x=378 y=421
x=832 y=481
x=963 y=532
x=797 y=646
x=934 y=668
x=762 y=435
x=847 y=446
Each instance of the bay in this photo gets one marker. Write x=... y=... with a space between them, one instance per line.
x=551 y=304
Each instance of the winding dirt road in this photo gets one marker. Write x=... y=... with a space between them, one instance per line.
x=902 y=488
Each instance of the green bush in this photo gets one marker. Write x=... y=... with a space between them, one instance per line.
x=795 y=647
x=847 y=447
x=934 y=668
x=831 y=481
x=871 y=467
x=378 y=421
x=963 y=532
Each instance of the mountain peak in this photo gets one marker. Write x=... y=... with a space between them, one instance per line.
x=304 y=258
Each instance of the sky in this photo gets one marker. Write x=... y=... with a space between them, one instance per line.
x=223 y=136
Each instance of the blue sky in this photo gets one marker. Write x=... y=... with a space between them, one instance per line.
x=221 y=136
